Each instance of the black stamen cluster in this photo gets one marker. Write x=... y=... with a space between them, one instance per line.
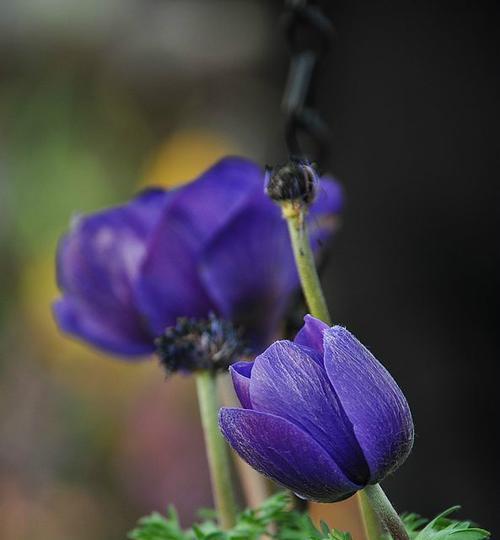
x=211 y=344
x=295 y=181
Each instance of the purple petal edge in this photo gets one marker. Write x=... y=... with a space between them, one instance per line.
x=90 y=327
x=372 y=400
x=240 y=373
x=311 y=334
x=280 y=450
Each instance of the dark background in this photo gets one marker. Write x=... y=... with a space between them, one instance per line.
x=99 y=99
x=411 y=90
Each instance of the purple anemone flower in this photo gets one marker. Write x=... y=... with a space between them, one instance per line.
x=321 y=416
x=217 y=244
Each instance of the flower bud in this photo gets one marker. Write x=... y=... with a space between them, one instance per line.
x=294 y=182
x=321 y=416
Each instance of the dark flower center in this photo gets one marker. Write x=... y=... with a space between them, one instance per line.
x=211 y=344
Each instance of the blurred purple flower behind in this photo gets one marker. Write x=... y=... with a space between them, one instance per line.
x=216 y=244
x=321 y=416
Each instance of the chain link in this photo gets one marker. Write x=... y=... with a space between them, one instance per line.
x=308 y=33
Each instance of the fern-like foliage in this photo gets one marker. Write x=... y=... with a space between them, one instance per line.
x=277 y=520
x=274 y=519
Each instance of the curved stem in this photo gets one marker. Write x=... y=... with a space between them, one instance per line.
x=304 y=259
x=369 y=518
x=385 y=512
x=217 y=453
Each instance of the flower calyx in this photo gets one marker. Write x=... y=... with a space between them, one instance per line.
x=292 y=185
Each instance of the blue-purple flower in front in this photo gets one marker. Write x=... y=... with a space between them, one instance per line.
x=321 y=416
x=217 y=244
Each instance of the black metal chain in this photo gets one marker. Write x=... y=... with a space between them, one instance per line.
x=308 y=32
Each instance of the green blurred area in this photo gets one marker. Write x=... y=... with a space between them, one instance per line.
x=66 y=142
x=96 y=103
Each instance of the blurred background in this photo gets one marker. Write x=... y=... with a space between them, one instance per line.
x=101 y=98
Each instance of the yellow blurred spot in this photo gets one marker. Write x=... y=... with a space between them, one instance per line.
x=183 y=156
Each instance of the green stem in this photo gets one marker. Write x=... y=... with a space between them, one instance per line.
x=370 y=520
x=385 y=512
x=217 y=453
x=304 y=259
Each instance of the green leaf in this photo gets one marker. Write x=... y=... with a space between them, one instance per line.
x=413 y=524
x=158 y=527
x=442 y=528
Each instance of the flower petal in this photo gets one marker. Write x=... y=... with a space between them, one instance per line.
x=287 y=382
x=248 y=269
x=169 y=285
x=248 y=266
x=121 y=337
x=240 y=373
x=323 y=213
x=371 y=399
x=281 y=450
x=311 y=334
x=104 y=249
x=329 y=197
x=97 y=264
